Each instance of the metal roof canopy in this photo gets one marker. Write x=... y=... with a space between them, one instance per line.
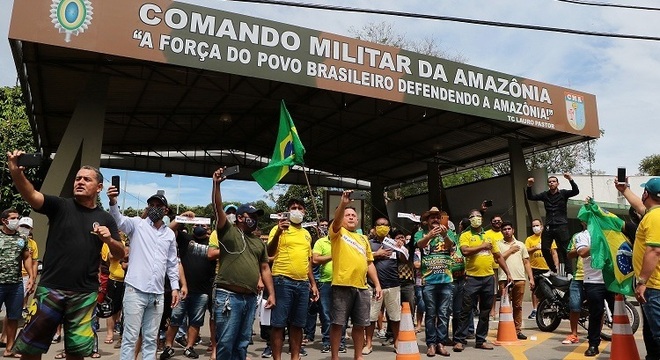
x=163 y=116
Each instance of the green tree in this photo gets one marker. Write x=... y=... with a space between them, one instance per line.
x=650 y=165
x=16 y=133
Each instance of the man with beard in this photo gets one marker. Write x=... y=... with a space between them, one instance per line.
x=495 y=235
x=556 y=219
x=68 y=286
x=153 y=255
x=479 y=252
x=199 y=279
x=291 y=246
x=243 y=259
x=436 y=245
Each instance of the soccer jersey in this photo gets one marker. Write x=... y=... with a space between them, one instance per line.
x=351 y=254
x=294 y=250
x=481 y=263
x=648 y=234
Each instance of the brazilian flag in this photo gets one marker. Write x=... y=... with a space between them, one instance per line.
x=288 y=152
x=611 y=251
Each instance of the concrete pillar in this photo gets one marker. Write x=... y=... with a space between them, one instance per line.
x=519 y=175
x=80 y=145
x=378 y=207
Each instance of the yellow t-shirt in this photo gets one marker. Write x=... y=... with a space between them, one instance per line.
x=579 y=267
x=117 y=273
x=481 y=263
x=495 y=237
x=351 y=255
x=536 y=259
x=294 y=250
x=648 y=234
x=34 y=252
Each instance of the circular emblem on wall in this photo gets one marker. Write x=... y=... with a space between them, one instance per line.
x=71 y=17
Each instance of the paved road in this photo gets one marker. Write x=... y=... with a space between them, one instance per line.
x=547 y=346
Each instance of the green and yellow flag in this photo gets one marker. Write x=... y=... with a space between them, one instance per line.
x=288 y=152
x=611 y=250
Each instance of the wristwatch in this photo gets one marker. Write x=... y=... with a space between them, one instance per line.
x=641 y=281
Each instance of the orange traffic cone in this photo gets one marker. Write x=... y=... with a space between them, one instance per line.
x=506 y=328
x=623 y=341
x=406 y=348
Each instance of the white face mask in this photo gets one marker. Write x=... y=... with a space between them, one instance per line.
x=537 y=229
x=12 y=224
x=296 y=216
x=231 y=218
x=24 y=231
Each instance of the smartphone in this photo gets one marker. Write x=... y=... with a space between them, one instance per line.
x=621 y=175
x=359 y=195
x=231 y=171
x=30 y=160
x=488 y=203
x=115 y=182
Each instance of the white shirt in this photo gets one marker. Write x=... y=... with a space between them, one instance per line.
x=152 y=253
x=591 y=275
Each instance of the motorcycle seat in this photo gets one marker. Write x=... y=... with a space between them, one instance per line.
x=560 y=281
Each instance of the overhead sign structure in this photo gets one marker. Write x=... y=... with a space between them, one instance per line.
x=209 y=38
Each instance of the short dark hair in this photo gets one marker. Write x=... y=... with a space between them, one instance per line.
x=396 y=232
x=494 y=216
x=553 y=177
x=6 y=212
x=507 y=223
x=99 y=176
x=381 y=217
x=539 y=220
x=294 y=201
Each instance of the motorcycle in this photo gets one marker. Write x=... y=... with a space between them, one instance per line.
x=552 y=292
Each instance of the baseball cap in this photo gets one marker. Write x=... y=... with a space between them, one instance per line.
x=26 y=221
x=652 y=186
x=250 y=209
x=230 y=206
x=160 y=198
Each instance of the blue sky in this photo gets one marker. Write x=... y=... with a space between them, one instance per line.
x=623 y=74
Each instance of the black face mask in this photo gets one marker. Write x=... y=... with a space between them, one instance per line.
x=250 y=223
x=199 y=232
x=155 y=213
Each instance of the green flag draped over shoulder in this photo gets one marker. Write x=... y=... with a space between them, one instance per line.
x=611 y=250
x=288 y=152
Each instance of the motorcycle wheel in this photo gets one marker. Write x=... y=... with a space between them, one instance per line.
x=547 y=315
x=633 y=317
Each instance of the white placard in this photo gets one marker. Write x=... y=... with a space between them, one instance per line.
x=264 y=314
x=391 y=243
x=411 y=216
x=196 y=220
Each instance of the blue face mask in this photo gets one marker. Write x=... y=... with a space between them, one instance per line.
x=199 y=232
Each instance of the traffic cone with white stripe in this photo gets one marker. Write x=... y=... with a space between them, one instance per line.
x=623 y=341
x=506 y=328
x=406 y=347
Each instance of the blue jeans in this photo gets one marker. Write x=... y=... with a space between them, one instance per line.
x=575 y=296
x=651 y=328
x=234 y=315
x=12 y=296
x=438 y=301
x=419 y=301
x=292 y=298
x=457 y=307
x=142 y=311
x=325 y=306
x=193 y=307
x=595 y=294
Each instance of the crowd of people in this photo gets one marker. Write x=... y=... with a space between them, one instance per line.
x=153 y=280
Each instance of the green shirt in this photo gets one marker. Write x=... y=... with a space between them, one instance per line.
x=11 y=257
x=323 y=248
x=241 y=256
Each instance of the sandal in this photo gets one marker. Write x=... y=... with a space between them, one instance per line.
x=109 y=340
x=11 y=355
x=60 y=355
x=95 y=355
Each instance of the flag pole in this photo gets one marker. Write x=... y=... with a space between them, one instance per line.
x=309 y=186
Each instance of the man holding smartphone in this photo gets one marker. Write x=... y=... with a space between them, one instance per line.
x=556 y=219
x=78 y=229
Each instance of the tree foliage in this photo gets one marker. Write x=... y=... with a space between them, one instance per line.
x=15 y=133
x=650 y=165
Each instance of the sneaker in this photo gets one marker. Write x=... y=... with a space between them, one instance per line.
x=521 y=336
x=181 y=340
x=342 y=348
x=190 y=353
x=381 y=334
x=549 y=273
x=470 y=336
x=268 y=352
x=532 y=315
x=167 y=353
x=198 y=340
x=325 y=349
x=571 y=339
x=303 y=352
